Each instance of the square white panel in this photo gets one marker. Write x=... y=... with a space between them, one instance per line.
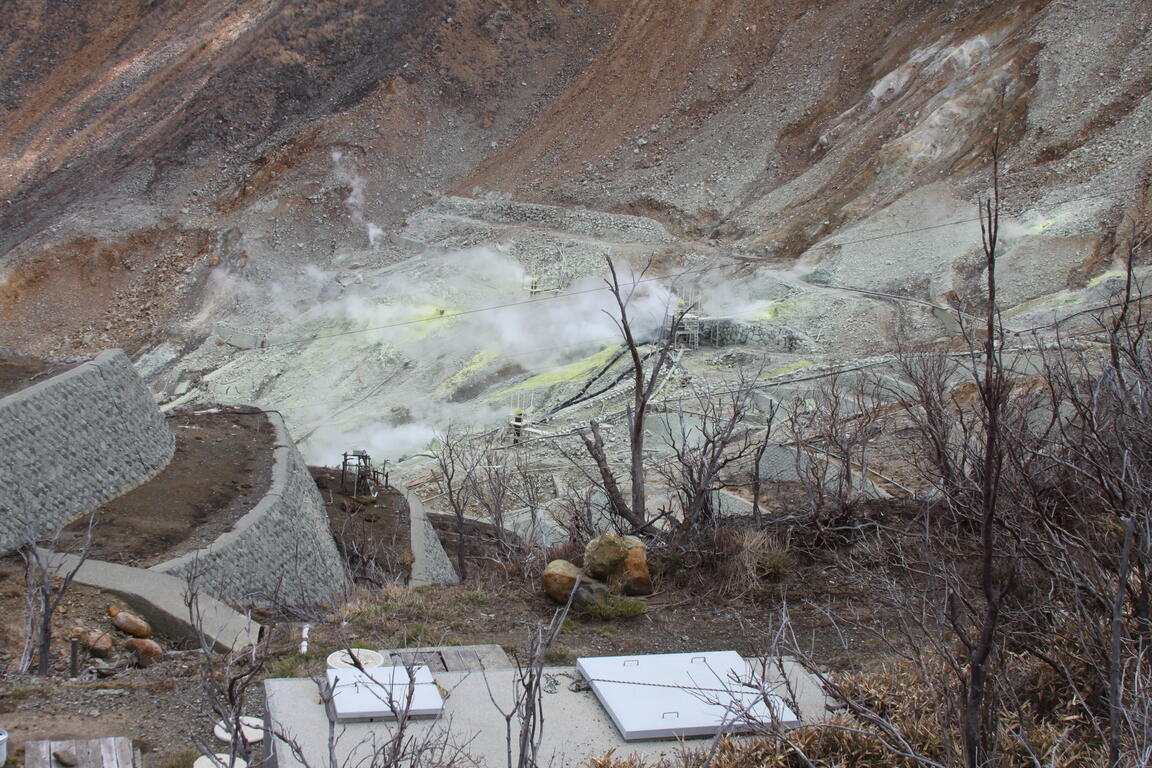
x=670 y=695
x=379 y=693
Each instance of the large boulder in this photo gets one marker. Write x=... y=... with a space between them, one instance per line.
x=604 y=555
x=621 y=559
x=561 y=577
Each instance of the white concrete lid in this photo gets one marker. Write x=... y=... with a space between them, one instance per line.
x=251 y=727
x=673 y=695
x=383 y=692
x=342 y=659
x=219 y=760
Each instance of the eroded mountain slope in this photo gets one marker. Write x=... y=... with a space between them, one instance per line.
x=216 y=185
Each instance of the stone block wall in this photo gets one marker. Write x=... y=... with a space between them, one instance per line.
x=772 y=336
x=75 y=441
x=281 y=552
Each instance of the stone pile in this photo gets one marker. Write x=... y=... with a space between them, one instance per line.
x=611 y=563
x=138 y=649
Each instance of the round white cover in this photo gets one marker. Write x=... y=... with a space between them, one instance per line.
x=343 y=660
x=251 y=727
x=219 y=760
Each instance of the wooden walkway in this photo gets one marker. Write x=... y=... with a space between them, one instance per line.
x=113 y=752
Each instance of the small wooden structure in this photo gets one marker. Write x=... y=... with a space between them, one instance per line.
x=359 y=477
x=112 y=752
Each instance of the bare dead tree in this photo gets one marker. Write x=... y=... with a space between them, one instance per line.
x=527 y=708
x=932 y=409
x=647 y=372
x=755 y=477
x=617 y=505
x=47 y=577
x=832 y=433
x=227 y=678
x=458 y=458
x=980 y=639
x=491 y=490
x=705 y=439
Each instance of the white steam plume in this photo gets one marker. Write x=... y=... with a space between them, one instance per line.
x=355 y=200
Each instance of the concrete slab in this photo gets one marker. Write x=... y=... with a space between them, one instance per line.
x=159 y=598
x=575 y=726
x=670 y=695
x=452 y=658
x=383 y=693
x=430 y=563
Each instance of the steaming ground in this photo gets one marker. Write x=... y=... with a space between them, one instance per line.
x=378 y=357
x=292 y=244
x=478 y=308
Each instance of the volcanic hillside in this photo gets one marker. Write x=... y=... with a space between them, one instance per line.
x=212 y=184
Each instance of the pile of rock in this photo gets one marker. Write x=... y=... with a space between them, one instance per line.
x=611 y=562
x=138 y=648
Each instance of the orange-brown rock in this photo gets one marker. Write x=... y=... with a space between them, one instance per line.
x=99 y=644
x=605 y=554
x=561 y=576
x=129 y=622
x=148 y=652
x=622 y=560
x=636 y=579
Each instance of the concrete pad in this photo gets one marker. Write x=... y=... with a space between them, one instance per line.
x=452 y=658
x=159 y=598
x=575 y=726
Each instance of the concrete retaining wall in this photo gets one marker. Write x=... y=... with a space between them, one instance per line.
x=280 y=552
x=76 y=441
x=430 y=563
x=160 y=599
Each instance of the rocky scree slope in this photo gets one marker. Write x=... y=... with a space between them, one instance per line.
x=178 y=168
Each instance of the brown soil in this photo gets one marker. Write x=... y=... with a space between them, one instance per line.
x=154 y=707
x=20 y=371
x=86 y=295
x=374 y=535
x=222 y=467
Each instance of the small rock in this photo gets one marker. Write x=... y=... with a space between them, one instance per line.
x=65 y=757
x=637 y=579
x=129 y=622
x=99 y=644
x=148 y=652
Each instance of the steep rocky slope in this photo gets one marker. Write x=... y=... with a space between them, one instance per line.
x=236 y=190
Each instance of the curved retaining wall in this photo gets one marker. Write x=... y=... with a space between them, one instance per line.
x=281 y=552
x=75 y=441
